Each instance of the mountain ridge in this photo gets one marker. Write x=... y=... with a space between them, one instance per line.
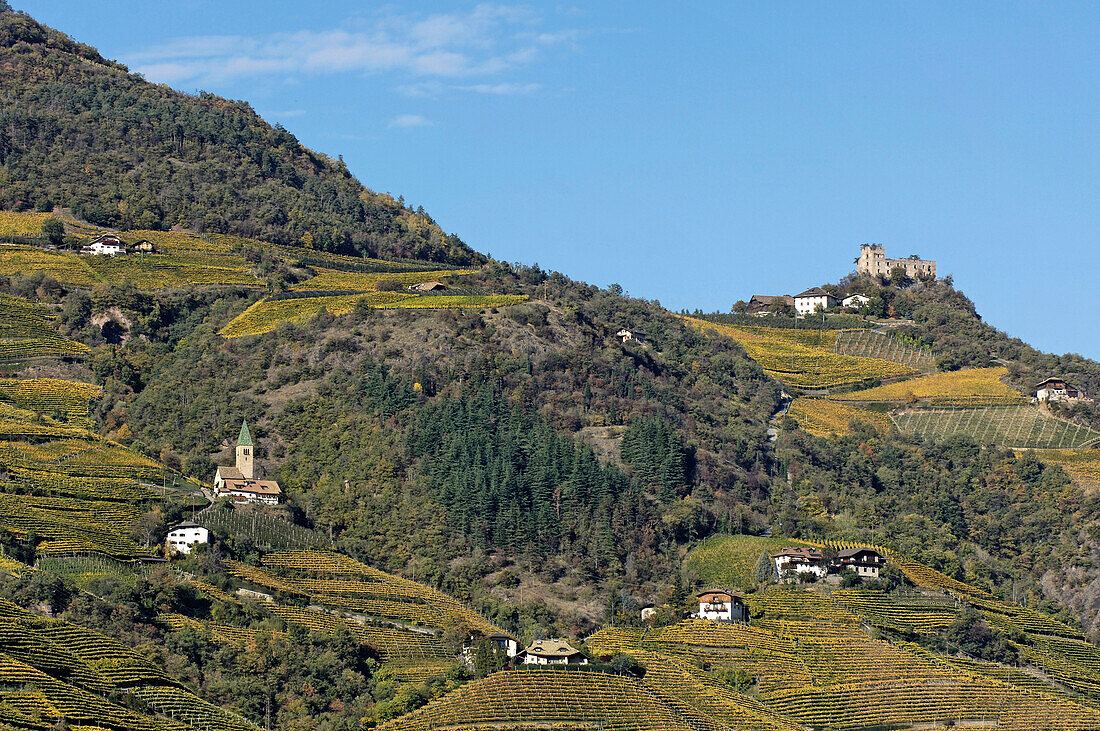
x=202 y=162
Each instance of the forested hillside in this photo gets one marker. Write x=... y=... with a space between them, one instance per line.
x=82 y=132
x=469 y=447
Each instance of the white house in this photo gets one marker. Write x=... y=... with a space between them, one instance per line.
x=808 y=302
x=627 y=335
x=718 y=605
x=100 y=248
x=799 y=560
x=855 y=301
x=239 y=482
x=1055 y=390
x=553 y=652
x=865 y=561
x=506 y=642
x=184 y=537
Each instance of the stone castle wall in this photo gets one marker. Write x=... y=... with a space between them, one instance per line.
x=873 y=262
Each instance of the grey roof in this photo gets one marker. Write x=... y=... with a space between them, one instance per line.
x=815 y=292
x=849 y=552
x=727 y=592
x=800 y=552
x=230 y=473
x=1053 y=379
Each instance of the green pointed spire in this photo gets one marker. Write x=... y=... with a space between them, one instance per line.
x=245 y=439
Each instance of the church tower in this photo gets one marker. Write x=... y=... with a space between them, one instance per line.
x=244 y=452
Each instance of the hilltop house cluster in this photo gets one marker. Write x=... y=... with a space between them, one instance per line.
x=809 y=302
x=539 y=652
x=794 y=563
x=872 y=262
x=112 y=245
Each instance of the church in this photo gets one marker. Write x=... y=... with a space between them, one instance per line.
x=239 y=482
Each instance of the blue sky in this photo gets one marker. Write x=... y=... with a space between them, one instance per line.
x=695 y=153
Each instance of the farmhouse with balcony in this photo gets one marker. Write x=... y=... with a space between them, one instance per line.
x=553 y=652
x=872 y=262
x=795 y=561
x=809 y=301
x=866 y=562
x=184 y=537
x=1056 y=390
x=761 y=305
x=239 y=482
x=104 y=245
x=719 y=605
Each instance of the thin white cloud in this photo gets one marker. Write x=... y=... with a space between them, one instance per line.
x=434 y=89
x=410 y=120
x=487 y=40
x=501 y=89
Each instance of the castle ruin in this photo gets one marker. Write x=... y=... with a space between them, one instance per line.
x=872 y=261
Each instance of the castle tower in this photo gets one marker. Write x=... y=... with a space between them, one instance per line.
x=244 y=452
x=872 y=260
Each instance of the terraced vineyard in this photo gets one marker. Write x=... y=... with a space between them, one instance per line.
x=264 y=531
x=183 y=268
x=914 y=614
x=28 y=331
x=1083 y=465
x=51 y=670
x=966 y=387
x=66 y=401
x=391 y=644
x=733 y=561
x=179 y=242
x=551 y=698
x=153 y=272
x=64 y=526
x=184 y=260
x=823 y=418
x=861 y=682
x=342 y=583
x=86 y=568
x=804 y=358
x=816 y=667
x=1008 y=426
x=72 y=490
x=267 y=314
x=71 y=269
x=870 y=344
x=22 y=223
